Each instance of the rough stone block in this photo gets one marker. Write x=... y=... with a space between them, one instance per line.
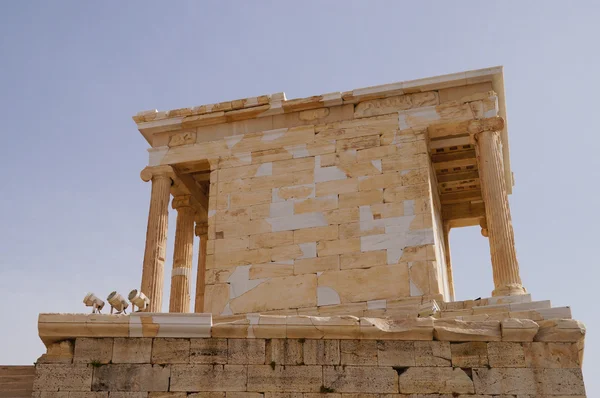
x=198 y=377
x=395 y=353
x=457 y=330
x=88 y=350
x=518 y=329
x=246 y=351
x=122 y=394
x=358 y=352
x=131 y=377
x=61 y=352
x=284 y=352
x=67 y=377
x=551 y=355
x=560 y=330
x=209 y=351
x=360 y=379
x=504 y=381
x=269 y=394
x=506 y=355
x=208 y=394
x=469 y=355
x=433 y=353
x=243 y=394
x=435 y=380
x=322 y=352
x=560 y=381
x=170 y=350
x=160 y=394
x=132 y=350
x=307 y=378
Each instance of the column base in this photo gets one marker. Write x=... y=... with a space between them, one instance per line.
x=509 y=290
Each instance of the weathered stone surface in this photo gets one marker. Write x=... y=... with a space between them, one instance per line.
x=551 y=355
x=321 y=352
x=61 y=352
x=131 y=377
x=269 y=394
x=457 y=330
x=122 y=394
x=198 y=377
x=160 y=394
x=504 y=381
x=435 y=380
x=396 y=329
x=284 y=352
x=560 y=330
x=132 y=350
x=170 y=350
x=395 y=353
x=506 y=355
x=358 y=352
x=246 y=351
x=291 y=292
x=433 y=353
x=306 y=378
x=469 y=355
x=93 y=350
x=243 y=394
x=369 y=379
x=368 y=284
x=560 y=381
x=64 y=377
x=518 y=329
x=207 y=394
x=210 y=351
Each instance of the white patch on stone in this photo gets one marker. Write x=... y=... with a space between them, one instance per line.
x=135 y=326
x=272 y=135
x=327 y=296
x=265 y=169
x=402 y=124
x=244 y=157
x=317 y=162
x=319 y=273
x=414 y=290
x=404 y=172
x=298 y=151
x=376 y=304
x=494 y=111
x=377 y=164
x=409 y=207
x=275 y=196
x=365 y=214
x=309 y=250
x=253 y=318
x=211 y=213
x=394 y=255
x=421 y=237
x=297 y=221
x=227 y=310
x=281 y=209
x=240 y=282
x=381 y=242
x=233 y=140
x=331 y=173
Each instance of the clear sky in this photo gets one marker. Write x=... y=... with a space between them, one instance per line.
x=73 y=209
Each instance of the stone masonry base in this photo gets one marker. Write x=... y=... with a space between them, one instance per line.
x=304 y=368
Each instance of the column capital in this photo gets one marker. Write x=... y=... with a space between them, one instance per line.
x=482 y=125
x=183 y=201
x=201 y=228
x=151 y=172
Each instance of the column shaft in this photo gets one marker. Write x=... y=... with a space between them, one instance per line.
x=200 y=278
x=183 y=253
x=156 y=242
x=499 y=224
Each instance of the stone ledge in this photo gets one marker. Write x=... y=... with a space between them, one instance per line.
x=54 y=328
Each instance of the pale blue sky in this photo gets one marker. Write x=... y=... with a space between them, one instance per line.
x=73 y=208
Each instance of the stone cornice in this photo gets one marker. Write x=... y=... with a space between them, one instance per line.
x=54 y=328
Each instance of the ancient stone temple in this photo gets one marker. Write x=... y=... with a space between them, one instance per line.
x=324 y=263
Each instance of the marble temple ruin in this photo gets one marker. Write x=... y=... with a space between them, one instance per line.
x=324 y=263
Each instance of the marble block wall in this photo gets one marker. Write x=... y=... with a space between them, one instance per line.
x=324 y=214
x=308 y=368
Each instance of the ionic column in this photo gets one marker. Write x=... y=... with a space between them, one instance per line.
x=183 y=254
x=202 y=233
x=156 y=234
x=507 y=280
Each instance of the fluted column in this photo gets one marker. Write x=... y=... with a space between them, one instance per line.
x=156 y=234
x=202 y=233
x=507 y=280
x=183 y=254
